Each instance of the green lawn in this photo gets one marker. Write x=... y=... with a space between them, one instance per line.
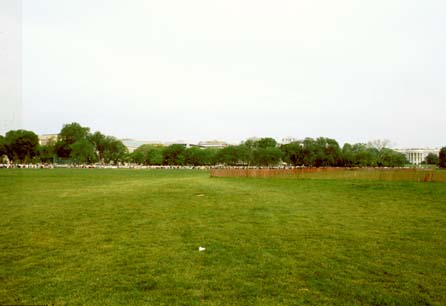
x=131 y=237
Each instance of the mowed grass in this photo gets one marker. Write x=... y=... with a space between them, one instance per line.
x=131 y=237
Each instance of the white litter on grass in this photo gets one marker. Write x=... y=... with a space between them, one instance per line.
x=201 y=249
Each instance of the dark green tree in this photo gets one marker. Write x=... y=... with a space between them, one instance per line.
x=266 y=142
x=47 y=152
x=100 y=142
x=253 y=152
x=83 y=152
x=327 y=152
x=244 y=153
x=70 y=134
x=195 y=156
x=21 y=145
x=137 y=156
x=391 y=158
x=173 y=154
x=210 y=155
x=231 y=155
x=432 y=159
x=148 y=154
x=250 y=143
x=347 y=155
x=442 y=158
x=269 y=156
x=364 y=156
x=114 y=151
x=293 y=153
x=2 y=146
x=309 y=152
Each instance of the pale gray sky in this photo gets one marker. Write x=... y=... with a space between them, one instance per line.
x=353 y=70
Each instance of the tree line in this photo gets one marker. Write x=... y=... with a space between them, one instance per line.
x=76 y=144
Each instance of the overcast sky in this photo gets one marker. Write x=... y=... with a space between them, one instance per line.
x=353 y=70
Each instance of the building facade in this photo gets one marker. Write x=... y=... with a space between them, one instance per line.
x=212 y=144
x=44 y=139
x=417 y=156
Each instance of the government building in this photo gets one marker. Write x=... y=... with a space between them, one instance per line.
x=417 y=156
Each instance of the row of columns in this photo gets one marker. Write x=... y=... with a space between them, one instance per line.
x=416 y=157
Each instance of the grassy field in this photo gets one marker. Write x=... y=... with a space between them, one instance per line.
x=129 y=237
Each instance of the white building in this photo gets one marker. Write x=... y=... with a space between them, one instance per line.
x=417 y=156
x=212 y=144
x=46 y=138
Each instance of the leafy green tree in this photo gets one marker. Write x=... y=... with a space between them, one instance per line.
x=195 y=156
x=113 y=150
x=327 y=152
x=47 y=152
x=252 y=152
x=210 y=155
x=137 y=156
x=399 y=159
x=244 y=153
x=442 y=158
x=83 y=151
x=309 y=152
x=148 y=154
x=100 y=142
x=108 y=148
x=70 y=134
x=293 y=153
x=320 y=152
x=250 y=143
x=173 y=154
x=21 y=145
x=266 y=142
x=432 y=159
x=359 y=155
x=385 y=158
x=391 y=158
x=2 y=146
x=268 y=156
x=230 y=155
x=347 y=155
